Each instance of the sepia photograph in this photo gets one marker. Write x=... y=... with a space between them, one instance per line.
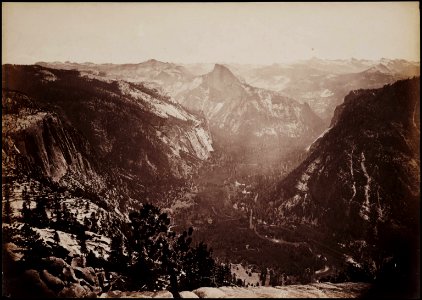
x=211 y=150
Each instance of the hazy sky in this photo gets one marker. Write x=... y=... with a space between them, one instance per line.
x=208 y=32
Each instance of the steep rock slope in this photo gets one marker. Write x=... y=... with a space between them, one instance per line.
x=370 y=157
x=132 y=131
x=359 y=186
x=37 y=140
x=241 y=114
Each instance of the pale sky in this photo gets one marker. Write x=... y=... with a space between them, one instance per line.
x=256 y=33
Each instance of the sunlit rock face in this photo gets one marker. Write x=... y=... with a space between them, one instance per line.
x=78 y=130
x=242 y=115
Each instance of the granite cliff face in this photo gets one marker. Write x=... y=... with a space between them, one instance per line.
x=244 y=115
x=82 y=128
x=38 y=141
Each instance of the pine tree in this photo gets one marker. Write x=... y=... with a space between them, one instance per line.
x=26 y=206
x=87 y=223
x=82 y=238
x=116 y=258
x=39 y=215
x=68 y=219
x=94 y=222
x=57 y=209
x=148 y=240
x=7 y=209
x=200 y=267
x=26 y=197
x=56 y=237
x=162 y=257
x=34 y=247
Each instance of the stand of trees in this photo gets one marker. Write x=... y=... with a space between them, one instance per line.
x=159 y=258
x=144 y=251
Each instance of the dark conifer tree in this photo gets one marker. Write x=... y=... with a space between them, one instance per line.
x=56 y=237
x=26 y=206
x=39 y=216
x=7 y=209
x=82 y=238
x=116 y=258
x=57 y=209
x=34 y=247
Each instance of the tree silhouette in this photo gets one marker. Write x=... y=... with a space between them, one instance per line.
x=26 y=206
x=56 y=237
x=149 y=229
x=82 y=238
x=57 y=209
x=7 y=209
x=116 y=259
x=34 y=246
x=39 y=216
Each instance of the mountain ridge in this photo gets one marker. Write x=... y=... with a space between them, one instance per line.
x=149 y=136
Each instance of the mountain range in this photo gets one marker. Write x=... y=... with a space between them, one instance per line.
x=289 y=167
x=321 y=83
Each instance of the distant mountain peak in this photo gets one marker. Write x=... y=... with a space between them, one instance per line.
x=379 y=68
x=221 y=68
x=154 y=62
x=221 y=75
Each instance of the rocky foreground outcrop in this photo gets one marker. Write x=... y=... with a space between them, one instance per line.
x=315 y=290
x=54 y=277
x=51 y=277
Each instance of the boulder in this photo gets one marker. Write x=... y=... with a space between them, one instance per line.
x=69 y=274
x=87 y=288
x=84 y=283
x=134 y=294
x=188 y=294
x=52 y=281
x=162 y=294
x=54 y=265
x=13 y=252
x=74 y=290
x=90 y=288
x=91 y=295
x=209 y=292
x=101 y=278
x=79 y=261
x=34 y=286
x=142 y=294
x=111 y=294
x=96 y=289
x=88 y=274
